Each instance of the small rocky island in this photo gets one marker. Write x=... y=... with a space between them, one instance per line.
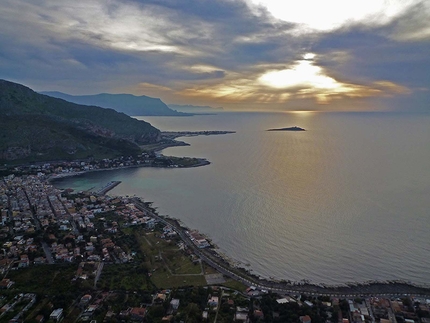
x=295 y=128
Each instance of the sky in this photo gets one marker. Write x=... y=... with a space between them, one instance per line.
x=317 y=55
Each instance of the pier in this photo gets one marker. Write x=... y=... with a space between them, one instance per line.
x=108 y=187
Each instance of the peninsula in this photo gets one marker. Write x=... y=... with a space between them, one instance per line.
x=295 y=128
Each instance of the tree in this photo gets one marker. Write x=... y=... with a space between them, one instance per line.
x=193 y=313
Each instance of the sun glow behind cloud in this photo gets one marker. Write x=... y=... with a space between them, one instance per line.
x=247 y=52
x=310 y=80
x=302 y=74
x=302 y=80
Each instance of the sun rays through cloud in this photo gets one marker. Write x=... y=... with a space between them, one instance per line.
x=247 y=53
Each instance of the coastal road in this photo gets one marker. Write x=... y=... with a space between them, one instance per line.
x=377 y=290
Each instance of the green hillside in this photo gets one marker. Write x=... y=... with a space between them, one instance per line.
x=38 y=127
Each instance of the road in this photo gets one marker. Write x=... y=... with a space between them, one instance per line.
x=48 y=253
x=99 y=271
x=71 y=220
x=377 y=289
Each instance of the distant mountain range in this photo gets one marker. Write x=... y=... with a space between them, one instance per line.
x=37 y=127
x=127 y=103
x=195 y=108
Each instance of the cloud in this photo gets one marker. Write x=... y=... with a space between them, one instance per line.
x=300 y=80
x=413 y=25
x=240 y=52
x=310 y=16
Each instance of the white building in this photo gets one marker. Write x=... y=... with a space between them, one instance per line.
x=56 y=315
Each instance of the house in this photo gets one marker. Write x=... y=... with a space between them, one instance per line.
x=213 y=301
x=282 y=301
x=305 y=319
x=258 y=314
x=241 y=316
x=56 y=315
x=174 y=303
x=159 y=298
x=138 y=313
x=85 y=299
x=149 y=223
x=6 y=283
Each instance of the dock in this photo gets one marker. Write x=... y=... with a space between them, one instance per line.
x=108 y=187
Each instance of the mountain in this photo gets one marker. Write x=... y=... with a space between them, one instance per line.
x=187 y=108
x=37 y=127
x=127 y=103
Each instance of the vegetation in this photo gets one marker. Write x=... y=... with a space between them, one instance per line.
x=37 y=127
x=54 y=282
x=131 y=277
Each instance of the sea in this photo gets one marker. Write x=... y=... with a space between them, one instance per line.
x=347 y=200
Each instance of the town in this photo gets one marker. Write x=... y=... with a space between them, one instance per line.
x=58 y=169
x=90 y=257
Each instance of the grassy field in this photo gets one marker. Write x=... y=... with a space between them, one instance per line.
x=233 y=284
x=163 y=279
x=179 y=263
x=207 y=270
x=169 y=266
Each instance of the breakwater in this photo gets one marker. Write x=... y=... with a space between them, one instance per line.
x=108 y=187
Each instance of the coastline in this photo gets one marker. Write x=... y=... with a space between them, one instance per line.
x=238 y=271
x=356 y=288
x=226 y=266
x=53 y=177
x=171 y=142
x=201 y=162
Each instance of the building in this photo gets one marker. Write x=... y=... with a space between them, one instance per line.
x=138 y=313
x=305 y=319
x=56 y=315
x=6 y=283
x=174 y=303
x=213 y=301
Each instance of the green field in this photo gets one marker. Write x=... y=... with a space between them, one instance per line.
x=169 y=266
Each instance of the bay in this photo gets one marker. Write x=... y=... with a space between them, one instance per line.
x=346 y=200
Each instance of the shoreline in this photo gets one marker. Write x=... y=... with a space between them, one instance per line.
x=53 y=177
x=356 y=288
x=227 y=267
x=169 y=135
x=243 y=272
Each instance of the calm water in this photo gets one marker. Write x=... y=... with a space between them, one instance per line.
x=347 y=200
